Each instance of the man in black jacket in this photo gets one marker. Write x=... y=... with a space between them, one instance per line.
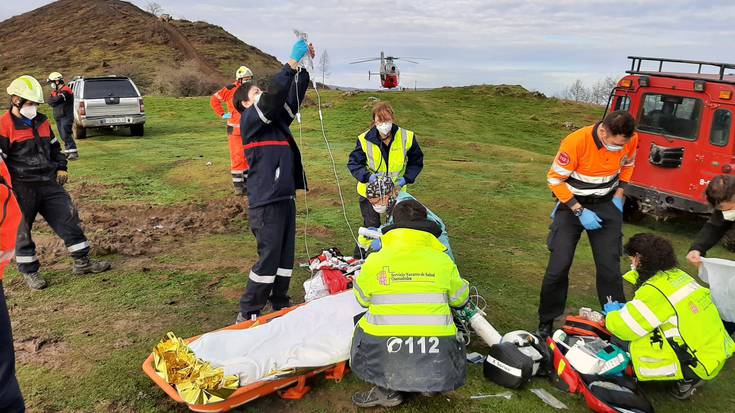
x=62 y=100
x=38 y=172
x=275 y=174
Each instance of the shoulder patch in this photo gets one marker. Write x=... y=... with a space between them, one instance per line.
x=563 y=159
x=231 y=86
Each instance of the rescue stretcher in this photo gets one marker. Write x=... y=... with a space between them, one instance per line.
x=293 y=387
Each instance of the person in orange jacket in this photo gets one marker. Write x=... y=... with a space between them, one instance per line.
x=11 y=399
x=238 y=163
x=588 y=177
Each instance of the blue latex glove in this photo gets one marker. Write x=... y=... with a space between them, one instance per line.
x=553 y=212
x=401 y=182
x=590 y=220
x=610 y=307
x=618 y=201
x=299 y=50
x=373 y=178
x=376 y=245
x=227 y=115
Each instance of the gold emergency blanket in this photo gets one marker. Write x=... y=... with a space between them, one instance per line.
x=196 y=380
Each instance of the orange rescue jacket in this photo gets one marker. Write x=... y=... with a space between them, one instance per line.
x=584 y=167
x=225 y=95
x=10 y=216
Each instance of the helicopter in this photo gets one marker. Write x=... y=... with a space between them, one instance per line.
x=389 y=73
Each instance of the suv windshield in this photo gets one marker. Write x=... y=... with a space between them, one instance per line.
x=668 y=115
x=105 y=88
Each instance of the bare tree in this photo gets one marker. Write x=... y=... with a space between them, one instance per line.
x=154 y=8
x=600 y=92
x=577 y=92
x=324 y=65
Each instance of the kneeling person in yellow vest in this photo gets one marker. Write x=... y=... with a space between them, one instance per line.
x=407 y=340
x=674 y=329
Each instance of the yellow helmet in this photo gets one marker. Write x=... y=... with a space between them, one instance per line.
x=54 y=76
x=242 y=72
x=27 y=87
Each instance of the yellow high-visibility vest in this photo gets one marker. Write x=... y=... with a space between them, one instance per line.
x=397 y=158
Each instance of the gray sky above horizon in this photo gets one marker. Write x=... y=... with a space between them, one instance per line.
x=542 y=45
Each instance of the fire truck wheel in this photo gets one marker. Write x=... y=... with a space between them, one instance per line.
x=632 y=212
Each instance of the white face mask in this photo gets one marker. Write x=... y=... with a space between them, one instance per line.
x=384 y=128
x=380 y=208
x=29 y=111
x=614 y=148
x=256 y=99
x=729 y=215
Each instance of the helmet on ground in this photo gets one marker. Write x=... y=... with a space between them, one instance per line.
x=383 y=186
x=243 y=72
x=26 y=87
x=54 y=76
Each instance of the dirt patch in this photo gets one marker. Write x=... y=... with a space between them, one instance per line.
x=43 y=350
x=145 y=230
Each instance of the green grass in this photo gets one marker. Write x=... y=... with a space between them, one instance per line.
x=487 y=150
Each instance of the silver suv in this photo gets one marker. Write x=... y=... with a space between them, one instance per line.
x=107 y=102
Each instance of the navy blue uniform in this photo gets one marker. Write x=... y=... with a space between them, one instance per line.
x=62 y=100
x=34 y=157
x=276 y=172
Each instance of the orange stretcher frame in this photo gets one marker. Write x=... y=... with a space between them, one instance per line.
x=256 y=390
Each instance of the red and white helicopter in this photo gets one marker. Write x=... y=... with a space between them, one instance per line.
x=389 y=73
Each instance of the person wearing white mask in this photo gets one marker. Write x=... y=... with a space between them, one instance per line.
x=720 y=193
x=385 y=149
x=384 y=195
x=38 y=171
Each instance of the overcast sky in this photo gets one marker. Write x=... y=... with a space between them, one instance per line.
x=543 y=45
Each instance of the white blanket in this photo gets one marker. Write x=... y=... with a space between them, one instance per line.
x=316 y=334
x=720 y=275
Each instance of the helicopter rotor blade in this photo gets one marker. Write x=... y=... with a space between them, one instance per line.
x=409 y=61
x=416 y=58
x=365 y=60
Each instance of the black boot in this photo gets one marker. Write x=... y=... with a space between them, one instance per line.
x=545 y=329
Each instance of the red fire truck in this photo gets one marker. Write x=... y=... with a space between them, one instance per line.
x=684 y=111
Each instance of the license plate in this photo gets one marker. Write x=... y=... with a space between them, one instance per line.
x=112 y=121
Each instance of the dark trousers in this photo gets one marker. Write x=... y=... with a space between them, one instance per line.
x=64 y=126
x=11 y=400
x=55 y=205
x=274 y=227
x=370 y=218
x=606 y=242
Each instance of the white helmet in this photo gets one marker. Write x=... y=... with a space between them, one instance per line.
x=242 y=72
x=54 y=76
x=26 y=87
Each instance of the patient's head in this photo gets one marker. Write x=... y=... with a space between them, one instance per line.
x=409 y=211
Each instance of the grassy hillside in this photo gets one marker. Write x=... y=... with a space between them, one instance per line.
x=160 y=208
x=103 y=37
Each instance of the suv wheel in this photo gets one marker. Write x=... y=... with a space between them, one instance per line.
x=78 y=131
x=137 y=130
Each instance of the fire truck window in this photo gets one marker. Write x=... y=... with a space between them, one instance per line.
x=672 y=116
x=721 y=124
x=622 y=103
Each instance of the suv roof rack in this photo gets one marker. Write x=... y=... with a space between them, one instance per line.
x=720 y=77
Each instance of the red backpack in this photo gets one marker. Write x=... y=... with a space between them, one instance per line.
x=603 y=394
